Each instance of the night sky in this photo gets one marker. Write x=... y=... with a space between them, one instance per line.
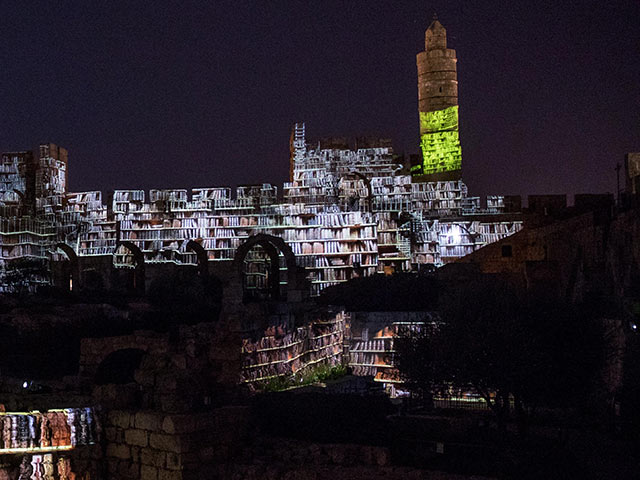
x=181 y=95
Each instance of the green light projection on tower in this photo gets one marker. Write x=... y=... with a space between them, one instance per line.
x=439 y=141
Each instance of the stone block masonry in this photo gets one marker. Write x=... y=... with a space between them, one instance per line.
x=154 y=445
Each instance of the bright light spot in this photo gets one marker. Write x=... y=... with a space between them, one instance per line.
x=25 y=384
x=634 y=326
x=455 y=235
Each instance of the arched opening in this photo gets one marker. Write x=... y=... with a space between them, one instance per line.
x=66 y=274
x=128 y=261
x=119 y=367
x=201 y=256
x=267 y=267
x=261 y=273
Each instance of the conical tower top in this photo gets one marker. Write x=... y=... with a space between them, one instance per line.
x=436 y=36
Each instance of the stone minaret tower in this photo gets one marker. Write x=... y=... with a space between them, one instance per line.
x=437 y=74
x=438 y=106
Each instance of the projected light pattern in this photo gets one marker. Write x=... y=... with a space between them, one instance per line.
x=439 y=141
x=439 y=120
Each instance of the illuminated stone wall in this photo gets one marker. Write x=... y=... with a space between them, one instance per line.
x=348 y=212
x=439 y=141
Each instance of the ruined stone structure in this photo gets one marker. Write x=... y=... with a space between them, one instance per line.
x=347 y=212
x=166 y=397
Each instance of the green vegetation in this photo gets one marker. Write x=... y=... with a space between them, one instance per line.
x=510 y=347
x=309 y=376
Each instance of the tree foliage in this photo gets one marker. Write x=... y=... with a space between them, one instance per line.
x=507 y=346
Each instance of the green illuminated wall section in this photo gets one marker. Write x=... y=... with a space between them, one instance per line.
x=439 y=141
x=439 y=120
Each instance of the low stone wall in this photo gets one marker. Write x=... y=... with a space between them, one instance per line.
x=151 y=445
x=284 y=459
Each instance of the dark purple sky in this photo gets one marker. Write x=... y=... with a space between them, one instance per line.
x=181 y=94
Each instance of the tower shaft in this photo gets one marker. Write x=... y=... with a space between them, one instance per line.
x=438 y=107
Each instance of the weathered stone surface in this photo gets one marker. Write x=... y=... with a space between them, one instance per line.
x=167 y=382
x=148 y=421
x=206 y=454
x=112 y=465
x=169 y=475
x=135 y=454
x=196 y=475
x=168 y=443
x=179 y=361
x=366 y=455
x=179 y=424
x=189 y=457
x=144 y=377
x=382 y=456
x=118 y=451
x=155 y=458
x=128 y=469
x=168 y=403
x=110 y=434
x=119 y=418
x=336 y=454
x=136 y=437
x=174 y=461
x=148 y=473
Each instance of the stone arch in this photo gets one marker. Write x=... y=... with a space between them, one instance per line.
x=201 y=255
x=70 y=252
x=93 y=351
x=211 y=282
x=69 y=279
x=133 y=248
x=119 y=366
x=273 y=246
x=136 y=280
